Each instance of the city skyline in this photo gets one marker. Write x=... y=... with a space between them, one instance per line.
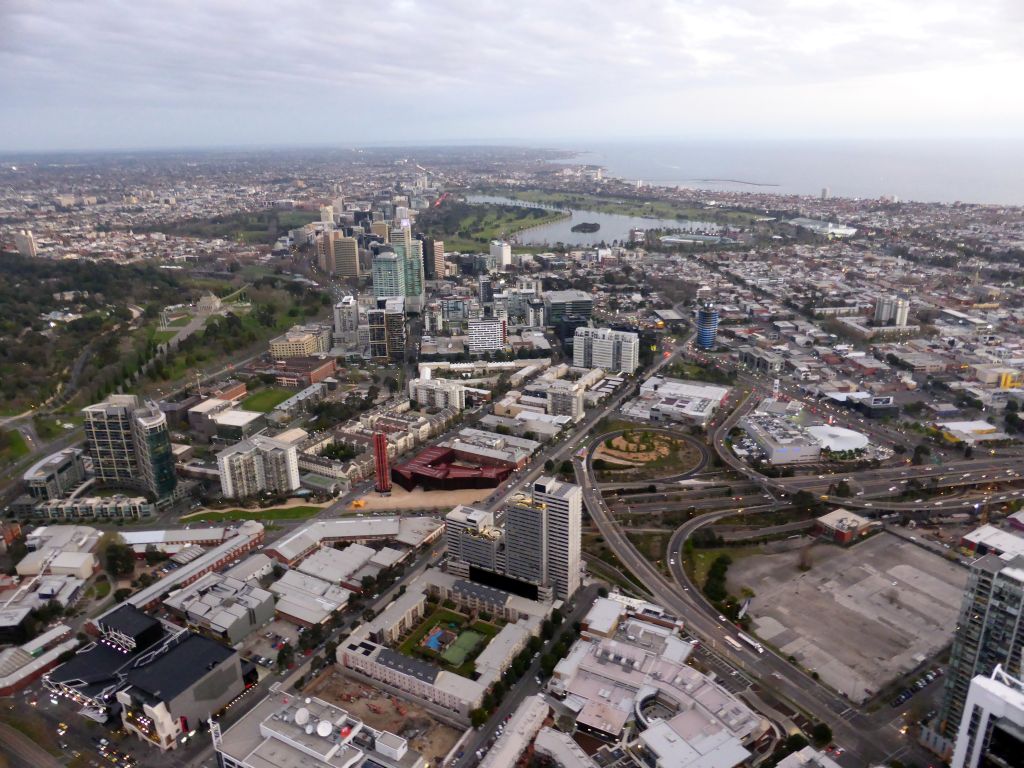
x=178 y=77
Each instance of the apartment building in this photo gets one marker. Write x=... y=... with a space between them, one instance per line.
x=606 y=349
x=130 y=444
x=258 y=465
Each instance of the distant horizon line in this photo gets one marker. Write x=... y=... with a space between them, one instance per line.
x=576 y=145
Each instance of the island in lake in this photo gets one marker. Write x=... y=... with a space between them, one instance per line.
x=586 y=226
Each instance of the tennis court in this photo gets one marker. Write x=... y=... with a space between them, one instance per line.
x=459 y=651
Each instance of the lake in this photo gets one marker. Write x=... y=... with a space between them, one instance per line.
x=613 y=226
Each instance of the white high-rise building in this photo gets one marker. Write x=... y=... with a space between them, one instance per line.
x=992 y=726
x=327 y=214
x=25 y=242
x=535 y=313
x=346 y=322
x=564 y=503
x=892 y=310
x=607 y=349
x=543 y=536
x=256 y=465
x=487 y=334
x=501 y=254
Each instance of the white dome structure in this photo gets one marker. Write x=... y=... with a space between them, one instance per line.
x=838 y=439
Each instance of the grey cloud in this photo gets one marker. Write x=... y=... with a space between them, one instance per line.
x=457 y=68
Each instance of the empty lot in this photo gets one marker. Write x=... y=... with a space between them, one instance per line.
x=381 y=710
x=860 y=616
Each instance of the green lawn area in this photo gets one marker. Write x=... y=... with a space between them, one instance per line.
x=162 y=337
x=487 y=222
x=180 y=322
x=47 y=427
x=459 y=656
x=440 y=616
x=265 y=400
x=660 y=209
x=698 y=565
x=12 y=445
x=485 y=628
x=256 y=226
x=277 y=513
x=102 y=589
x=463 y=647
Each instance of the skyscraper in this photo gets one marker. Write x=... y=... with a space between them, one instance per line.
x=433 y=259
x=526 y=540
x=381 y=463
x=376 y=320
x=707 y=325
x=501 y=254
x=892 y=310
x=991 y=731
x=26 y=243
x=388 y=275
x=346 y=322
x=543 y=536
x=394 y=328
x=346 y=257
x=564 y=502
x=990 y=632
x=410 y=254
x=130 y=444
x=485 y=289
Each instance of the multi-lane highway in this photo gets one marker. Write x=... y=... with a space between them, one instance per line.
x=864 y=743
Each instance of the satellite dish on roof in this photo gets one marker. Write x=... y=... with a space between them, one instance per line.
x=309 y=729
x=302 y=716
x=324 y=729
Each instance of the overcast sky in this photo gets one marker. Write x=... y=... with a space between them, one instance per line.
x=84 y=74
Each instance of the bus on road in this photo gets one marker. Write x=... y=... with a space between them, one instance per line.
x=751 y=642
x=736 y=646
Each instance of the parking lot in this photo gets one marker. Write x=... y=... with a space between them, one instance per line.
x=861 y=616
x=265 y=642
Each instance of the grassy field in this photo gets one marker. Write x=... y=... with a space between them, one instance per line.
x=180 y=322
x=653 y=455
x=277 y=513
x=255 y=227
x=470 y=227
x=265 y=400
x=699 y=563
x=12 y=446
x=659 y=209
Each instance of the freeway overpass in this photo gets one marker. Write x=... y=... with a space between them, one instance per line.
x=865 y=743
